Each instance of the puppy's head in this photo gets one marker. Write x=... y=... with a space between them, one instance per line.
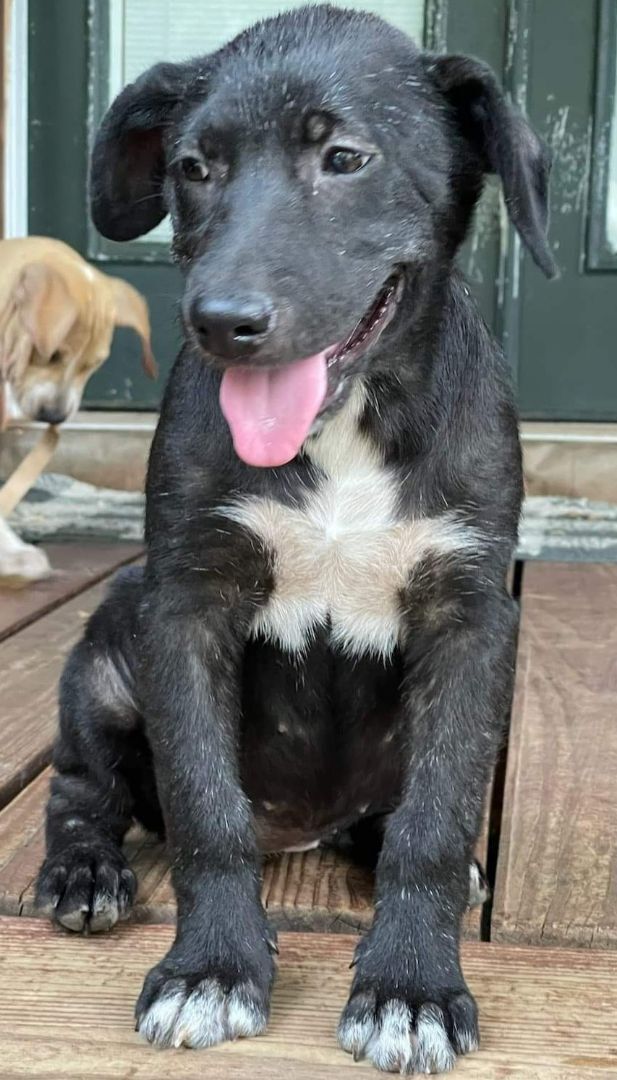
x=58 y=331
x=320 y=172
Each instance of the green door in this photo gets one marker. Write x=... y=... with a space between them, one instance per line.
x=556 y=56
x=563 y=334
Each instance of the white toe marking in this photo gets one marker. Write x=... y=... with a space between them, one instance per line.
x=353 y=1034
x=158 y=1023
x=105 y=913
x=434 y=1051
x=243 y=1017
x=204 y=1017
x=389 y=1048
x=394 y=1044
x=467 y=1041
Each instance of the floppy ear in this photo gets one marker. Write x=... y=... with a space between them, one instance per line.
x=505 y=144
x=128 y=159
x=46 y=309
x=130 y=309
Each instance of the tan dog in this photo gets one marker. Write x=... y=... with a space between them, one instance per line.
x=57 y=319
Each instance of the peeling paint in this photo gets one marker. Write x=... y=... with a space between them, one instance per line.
x=512 y=37
x=504 y=248
x=486 y=229
x=570 y=142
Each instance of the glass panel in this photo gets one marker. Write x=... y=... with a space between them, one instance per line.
x=142 y=32
x=602 y=235
x=611 y=190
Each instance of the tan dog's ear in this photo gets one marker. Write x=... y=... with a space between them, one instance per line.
x=131 y=310
x=47 y=311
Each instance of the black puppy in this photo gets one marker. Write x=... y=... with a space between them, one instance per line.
x=322 y=635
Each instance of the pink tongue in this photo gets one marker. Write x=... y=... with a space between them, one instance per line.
x=270 y=410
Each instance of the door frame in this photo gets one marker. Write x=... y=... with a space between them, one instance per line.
x=14 y=118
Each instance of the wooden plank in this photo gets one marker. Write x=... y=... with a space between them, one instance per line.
x=309 y=891
x=66 y=1011
x=315 y=890
x=30 y=664
x=318 y=890
x=75 y=568
x=21 y=843
x=556 y=881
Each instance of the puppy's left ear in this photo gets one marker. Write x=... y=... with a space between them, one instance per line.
x=505 y=144
x=128 y=157
x=130 y=309
x=46 y=309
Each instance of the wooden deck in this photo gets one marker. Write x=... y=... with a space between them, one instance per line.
x=542 y=956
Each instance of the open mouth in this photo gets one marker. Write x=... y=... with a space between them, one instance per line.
x=371 y=325
x=270 y=411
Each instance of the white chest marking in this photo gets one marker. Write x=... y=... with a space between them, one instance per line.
x=344 y=555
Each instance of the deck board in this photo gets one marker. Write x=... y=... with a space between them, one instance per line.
x=30 y=665
x=320 y=891
x=75 y=567
x=66 y=1008
x=557 y=868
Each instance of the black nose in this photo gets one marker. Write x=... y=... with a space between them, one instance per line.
x=232 y=328
x=48 y=414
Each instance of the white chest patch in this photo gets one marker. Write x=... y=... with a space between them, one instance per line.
x=345 y=555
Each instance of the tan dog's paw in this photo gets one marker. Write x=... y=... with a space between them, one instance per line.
x=21 y=565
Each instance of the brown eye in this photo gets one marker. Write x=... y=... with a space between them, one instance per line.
x=194 y=170
x=340 y=159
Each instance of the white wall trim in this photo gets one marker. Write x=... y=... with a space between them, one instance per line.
x=16 y=115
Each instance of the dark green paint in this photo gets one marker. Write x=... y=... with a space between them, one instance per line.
x=567 y=358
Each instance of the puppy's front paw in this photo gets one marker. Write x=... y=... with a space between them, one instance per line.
x=201 y=1009
x=86 y=888
x=410 y=1033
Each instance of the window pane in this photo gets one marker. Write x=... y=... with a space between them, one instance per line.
x=611 y=191
x=142 y=32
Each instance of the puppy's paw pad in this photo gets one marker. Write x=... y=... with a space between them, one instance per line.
x=396 y=1037
x=85 y=889
x=202 y=1015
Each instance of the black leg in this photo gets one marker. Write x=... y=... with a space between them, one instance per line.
x=85 y=883
x=410 y=1009
x=215 y=982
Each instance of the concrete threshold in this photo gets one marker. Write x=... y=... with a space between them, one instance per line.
x=110 y=449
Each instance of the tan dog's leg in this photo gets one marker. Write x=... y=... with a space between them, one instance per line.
x=20 y=563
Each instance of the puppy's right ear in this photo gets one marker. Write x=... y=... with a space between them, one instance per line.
x=128 y=158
